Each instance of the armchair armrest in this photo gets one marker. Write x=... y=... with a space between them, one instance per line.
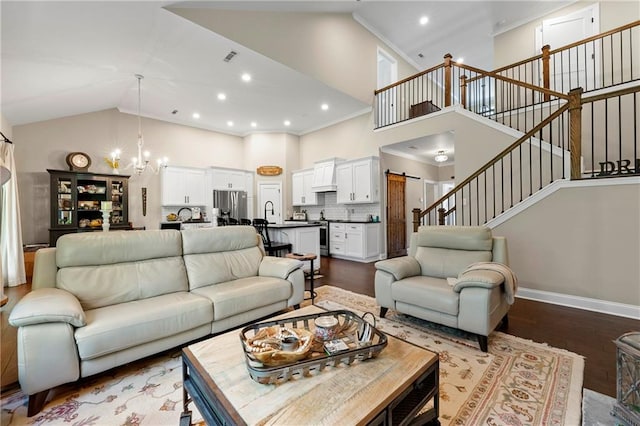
x=481 y=278
x=400 y=267
x=278 y=267
x=47 y=305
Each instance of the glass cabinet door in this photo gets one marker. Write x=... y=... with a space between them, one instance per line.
x=65 y=208
x=118 y=190
x=91 y=192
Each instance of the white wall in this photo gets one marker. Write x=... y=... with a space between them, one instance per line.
x=582 y=241
x=272 y=149
x=519 y=43
x=44 y=145
x=331 y=47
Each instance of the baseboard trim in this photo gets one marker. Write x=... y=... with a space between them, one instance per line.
x=588 y=304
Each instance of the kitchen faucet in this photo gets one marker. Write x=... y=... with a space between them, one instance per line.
x=265 y=209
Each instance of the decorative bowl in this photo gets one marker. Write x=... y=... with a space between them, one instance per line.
x=326 y=328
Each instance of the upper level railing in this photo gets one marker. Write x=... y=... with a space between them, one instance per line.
x=519 y=171
x=557 y=148
x=565 y=135
x=604 y=60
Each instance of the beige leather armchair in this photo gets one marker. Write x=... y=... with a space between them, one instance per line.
x=436 y=283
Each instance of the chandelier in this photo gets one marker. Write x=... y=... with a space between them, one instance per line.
x=441 y=157
x=141 y=162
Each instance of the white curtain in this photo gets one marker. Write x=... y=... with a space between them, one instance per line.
x=13 y=272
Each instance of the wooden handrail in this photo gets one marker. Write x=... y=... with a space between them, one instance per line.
x=569 y=46
x=596 y=37
x=515 y=82
x=497 y=158
x=411 y=77
x=613 y=94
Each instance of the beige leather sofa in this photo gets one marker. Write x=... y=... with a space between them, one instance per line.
x=434 y=282
x=100 y=300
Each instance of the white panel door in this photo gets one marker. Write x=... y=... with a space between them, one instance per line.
x=270 y=201
x=562 y=31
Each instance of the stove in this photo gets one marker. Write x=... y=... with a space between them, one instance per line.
x=324 y=237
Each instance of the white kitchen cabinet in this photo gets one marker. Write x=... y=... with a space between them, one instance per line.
x=183 y=186
x=301 y=186
x=358 y=181
x=226 y=179
x=355 y=241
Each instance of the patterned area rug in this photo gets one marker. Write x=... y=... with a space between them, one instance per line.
x=517 y=382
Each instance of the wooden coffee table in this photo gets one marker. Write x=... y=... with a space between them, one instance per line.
x=389 y=389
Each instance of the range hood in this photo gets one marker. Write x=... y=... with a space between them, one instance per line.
x=324 y=175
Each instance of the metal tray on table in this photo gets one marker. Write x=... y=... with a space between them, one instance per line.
x=362 y=339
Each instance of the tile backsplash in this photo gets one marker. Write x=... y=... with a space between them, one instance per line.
x=332 y=210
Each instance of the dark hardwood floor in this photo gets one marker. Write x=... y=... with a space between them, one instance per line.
x=586 y=333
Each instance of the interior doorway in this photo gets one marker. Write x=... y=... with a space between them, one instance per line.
x=396 y=215
x=562 y=31
x=270 y=201
x=431 y=193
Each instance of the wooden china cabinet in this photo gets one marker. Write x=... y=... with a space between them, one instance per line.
x=76 y=199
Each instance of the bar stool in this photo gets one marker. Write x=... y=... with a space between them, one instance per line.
x=272 y=248
x=310 y=257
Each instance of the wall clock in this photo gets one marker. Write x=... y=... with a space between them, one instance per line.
x=78 y=161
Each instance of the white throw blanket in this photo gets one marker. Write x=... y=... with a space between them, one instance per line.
x=510 y=279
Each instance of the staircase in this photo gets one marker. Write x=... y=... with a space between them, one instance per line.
x=576 y=109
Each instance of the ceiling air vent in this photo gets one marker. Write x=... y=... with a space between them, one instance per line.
x=230 y=56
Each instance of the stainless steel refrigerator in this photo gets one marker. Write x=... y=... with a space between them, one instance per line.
x=231 y=204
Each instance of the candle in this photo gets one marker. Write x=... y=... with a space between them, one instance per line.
x=105 y=205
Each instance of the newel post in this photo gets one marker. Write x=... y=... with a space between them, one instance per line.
x=545 y=70
x=575 y=132
x=447 y=79
x=441 y=212
x=463 y=91
x=416 y=219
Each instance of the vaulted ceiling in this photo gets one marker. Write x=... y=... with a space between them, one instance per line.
x=62 y=58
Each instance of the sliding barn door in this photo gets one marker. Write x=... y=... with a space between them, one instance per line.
x=396 y=216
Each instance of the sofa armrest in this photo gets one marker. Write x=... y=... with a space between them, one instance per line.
x=479 y=278
x=400 y=267
x=44 y=268
x=278 y=267
x=47 y=305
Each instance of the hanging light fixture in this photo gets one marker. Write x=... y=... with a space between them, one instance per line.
x=441 y=157
x=140 y=163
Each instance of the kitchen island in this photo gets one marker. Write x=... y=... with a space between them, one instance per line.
x=303 y=236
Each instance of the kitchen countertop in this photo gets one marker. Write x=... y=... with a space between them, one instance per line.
x=291 y=225
x=350 y=221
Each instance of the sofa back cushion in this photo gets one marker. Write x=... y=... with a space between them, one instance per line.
x=220 y=254
x=106 y=268
x=445 y=251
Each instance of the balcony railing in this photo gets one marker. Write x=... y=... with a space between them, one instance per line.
x=565 y=135
x=604 y=60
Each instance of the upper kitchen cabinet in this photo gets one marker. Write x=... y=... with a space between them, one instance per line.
x=358 y=181
x=226 y=179
x=302 y=188
x=183 y=186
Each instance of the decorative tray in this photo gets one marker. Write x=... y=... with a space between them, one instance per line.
x=271 y=358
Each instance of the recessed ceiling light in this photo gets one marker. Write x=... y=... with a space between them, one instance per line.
x=287 y=123
x=230 y=123
x=460 y=60
x=324 y=107
x=254 y=124
x=196 y=115
x=246 y=77
x=424 y=20
x=222 y=96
